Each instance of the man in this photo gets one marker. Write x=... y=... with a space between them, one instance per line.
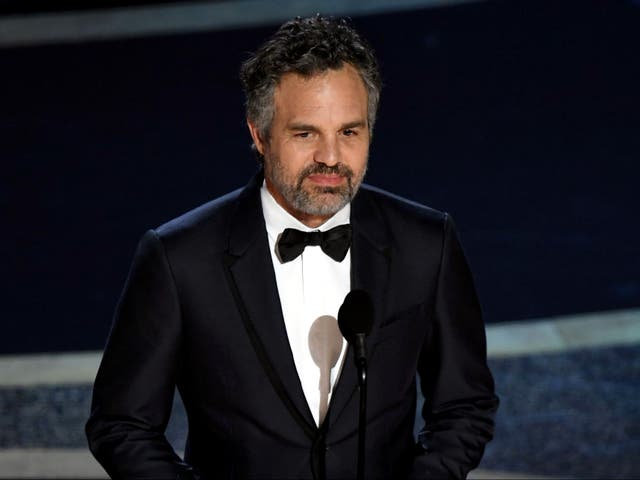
x=226 y=304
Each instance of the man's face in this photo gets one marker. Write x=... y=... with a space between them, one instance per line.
x=316 y=154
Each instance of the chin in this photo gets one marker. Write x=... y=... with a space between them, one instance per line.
x=325 y=208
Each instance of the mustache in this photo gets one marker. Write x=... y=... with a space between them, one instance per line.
x=322 y=169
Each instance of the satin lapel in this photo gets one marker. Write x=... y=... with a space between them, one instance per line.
x=370 y=257
x=253 y=279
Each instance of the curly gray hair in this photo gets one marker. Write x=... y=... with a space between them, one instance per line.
x=306 y=46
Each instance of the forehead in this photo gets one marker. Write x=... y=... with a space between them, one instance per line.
x=339 y=90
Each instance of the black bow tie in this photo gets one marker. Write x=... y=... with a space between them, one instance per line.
x=334 y=242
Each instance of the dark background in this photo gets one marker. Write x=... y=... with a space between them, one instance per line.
x=521 y=119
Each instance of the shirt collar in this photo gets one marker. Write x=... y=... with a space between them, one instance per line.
x=277 y=218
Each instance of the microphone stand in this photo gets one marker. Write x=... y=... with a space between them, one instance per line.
x=355 y=319
x=361 y=364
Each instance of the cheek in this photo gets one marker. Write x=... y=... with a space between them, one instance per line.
x=358 y=155
x=294 y=156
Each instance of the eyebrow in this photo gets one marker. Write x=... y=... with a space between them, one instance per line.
x=301 y=127
x=308 y=127
x=354 y=124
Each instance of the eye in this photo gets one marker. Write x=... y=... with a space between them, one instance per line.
x=303 y=134
x=349 y=132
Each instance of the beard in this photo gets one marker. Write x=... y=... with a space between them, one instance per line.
x=314 y=199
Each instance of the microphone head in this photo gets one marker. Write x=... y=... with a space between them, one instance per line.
x=355 y=315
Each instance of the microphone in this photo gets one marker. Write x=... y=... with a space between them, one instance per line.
x=355 y=319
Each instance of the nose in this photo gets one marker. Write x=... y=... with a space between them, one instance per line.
x=328 y=152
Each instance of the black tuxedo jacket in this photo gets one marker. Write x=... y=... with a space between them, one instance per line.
x=201 y=310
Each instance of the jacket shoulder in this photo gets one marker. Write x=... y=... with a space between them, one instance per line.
x=205 y=223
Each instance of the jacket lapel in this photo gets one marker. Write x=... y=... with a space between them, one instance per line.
x=253 y=281
x=370 y=258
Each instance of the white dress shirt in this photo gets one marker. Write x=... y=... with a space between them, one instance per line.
x=311 y=286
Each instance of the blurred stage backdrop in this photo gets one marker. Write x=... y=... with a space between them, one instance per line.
x=520 y=118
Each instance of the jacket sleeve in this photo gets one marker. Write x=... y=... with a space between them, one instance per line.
x=458 y=387
x=135 y=384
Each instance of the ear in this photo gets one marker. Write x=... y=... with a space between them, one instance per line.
x=257 y=138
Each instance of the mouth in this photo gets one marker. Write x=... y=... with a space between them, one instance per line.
x=331 y=180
